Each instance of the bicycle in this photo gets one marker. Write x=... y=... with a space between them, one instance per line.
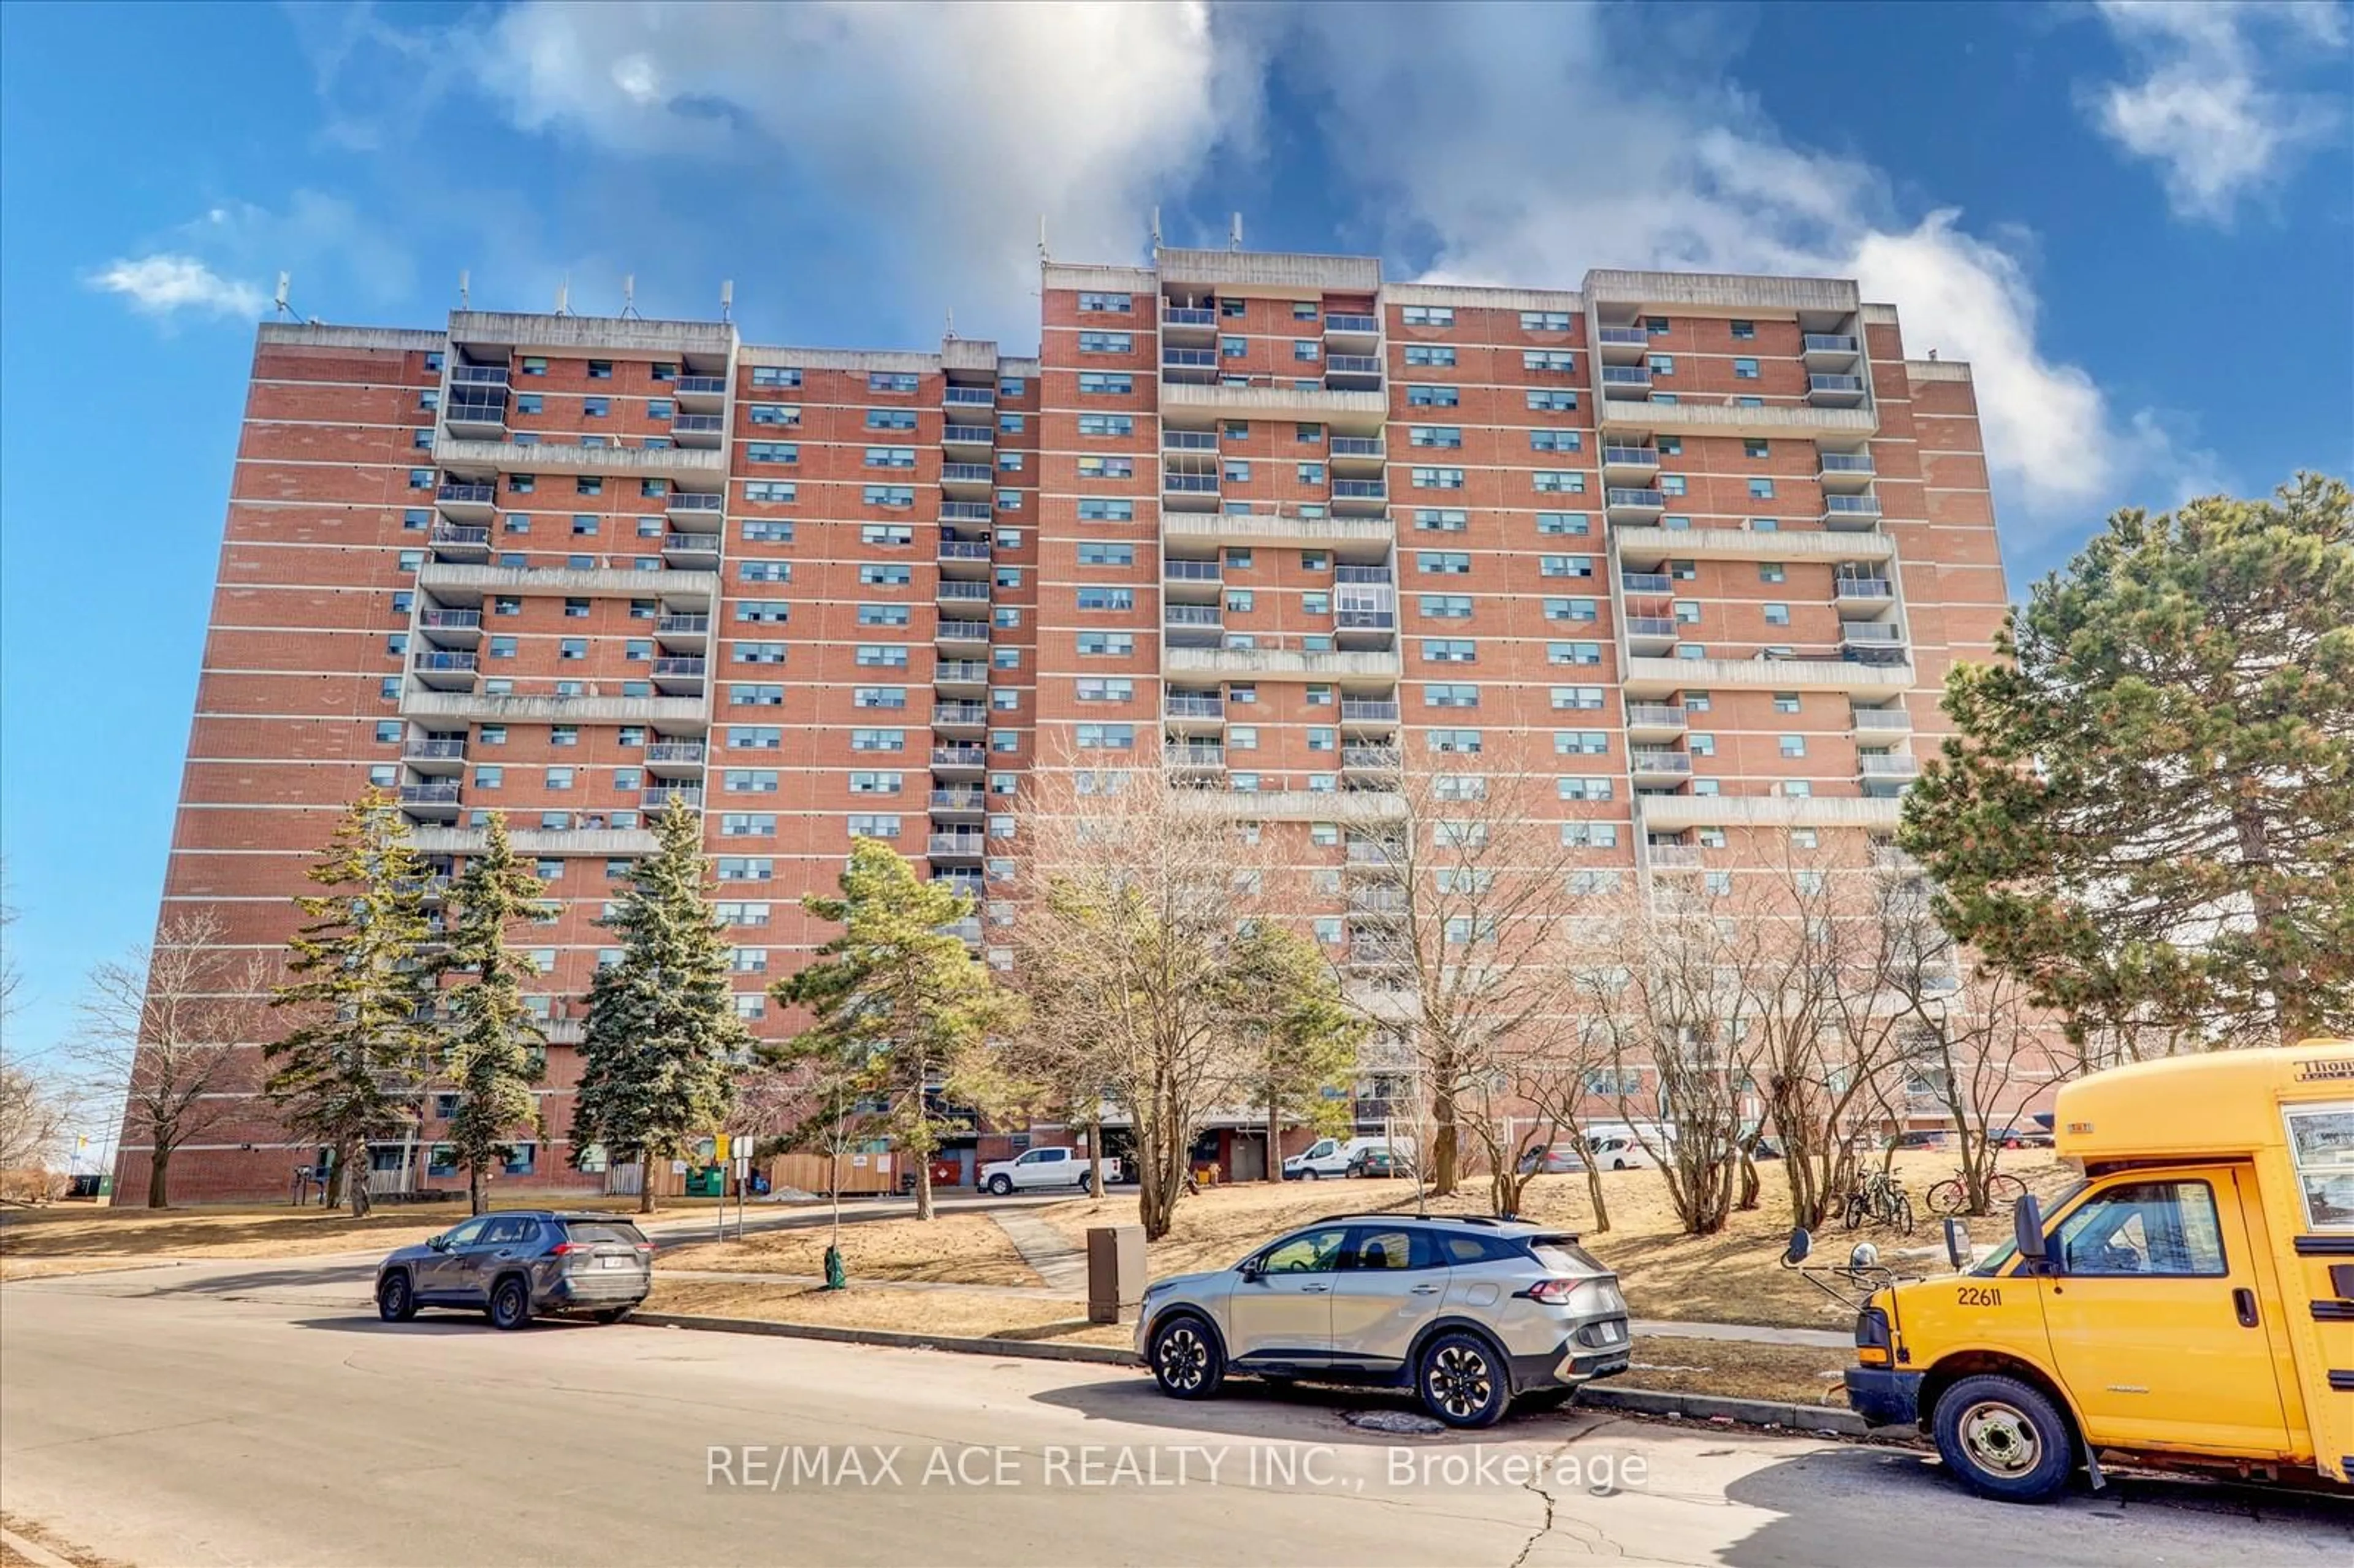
x=1882 y=1200
x=1952 y=1196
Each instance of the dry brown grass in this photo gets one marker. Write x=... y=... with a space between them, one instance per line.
x=1732 y=1276
x=963 y=1249
x=1733 y=1369
x=951 y=1314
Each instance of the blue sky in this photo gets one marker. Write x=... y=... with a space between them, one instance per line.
x=2136 y=220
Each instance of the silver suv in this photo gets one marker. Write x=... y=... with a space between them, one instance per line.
x=1469 y=1312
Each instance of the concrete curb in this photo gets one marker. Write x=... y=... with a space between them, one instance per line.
x=1634 y=1401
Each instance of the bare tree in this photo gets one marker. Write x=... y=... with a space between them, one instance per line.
x=1458 y=883
x=35 y=1117
x=174 y=1027
x=1140 y=895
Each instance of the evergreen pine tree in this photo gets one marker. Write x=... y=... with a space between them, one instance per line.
x=492 y=1054
x=901 y=1001
x=351 y=1068
x=2148 y=810
x=662 y=1042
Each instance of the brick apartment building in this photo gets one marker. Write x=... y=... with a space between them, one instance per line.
x=1699 y=549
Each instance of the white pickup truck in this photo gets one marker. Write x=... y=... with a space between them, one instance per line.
x=1043 y=1168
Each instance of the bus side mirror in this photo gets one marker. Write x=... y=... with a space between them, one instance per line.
x=1800 y=1244
x=1958 y=1251
x=2026 y=1229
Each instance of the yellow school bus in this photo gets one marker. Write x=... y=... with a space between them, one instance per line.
x=2191 y=1302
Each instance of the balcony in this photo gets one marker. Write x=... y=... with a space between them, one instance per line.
x=1370 y=760
x=959 y=715
x=1898 y=719
x=1830 y=351
x=1198 y=364
x=969 y=396
x=1620 y=342
x=1268 y=397
x=966 y=437
x=456 y=542
x=959 y=673
x=703 y=432
x=1633 y=504
x=435 y=756
x=1864 y=590
x=1376 y=901
x=1372 y=854
x=1625 y=463
x=1647 y=582
x=450 y=628
x=1652 y=721
x=1876 y=633
x=677 y=754
x=957 y=631
x=1654 y=764
x=1835 y=391
x=444 y=672
x=1355 y=452
x=957 y=847
x=959 y=802
x=1350 y=324
x=662 y=797
x=467 y=503
x=1197 y=620
x=967 y=478
x=482 y=417
x=950 y=591
x=683 y=631
x=1888 y=764
x=1845 y=471
x=1194 y=707
x=1205 y=485
x=959 y=759
x=1648 y=677
x=964 y=550
x=1352 y=372
x=680 y=676
x=1188 y=440
x=964 y=512
x=692 y=551
x=1183 y=576
x=1367 y=710
x=1188 y=320
x=1651 y=634
x=695 y=506
x=700 y=392
x=1673 y=857
x=1192 y=759
x=434 y=802
x=1360 y=497
x=1626 y=380
x=1858 y=511
x=479 y=376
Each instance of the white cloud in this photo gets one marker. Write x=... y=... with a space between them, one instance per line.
x=956 y=127
x=166 y=284
x=2207 y=107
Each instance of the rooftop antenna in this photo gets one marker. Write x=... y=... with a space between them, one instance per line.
x=950 y=336
x=1235 y=241
x=1042 y=257
x=464 y=279
x=726 y=299
x=1155 y=227
x=629 y=296
x=284 y=280
x=564 y=298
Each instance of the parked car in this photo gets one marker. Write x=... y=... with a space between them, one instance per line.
x=1037 y=1168
x=1469 y=1312
x=521 y=1263
x=1620 y=1151
x=1919 y=1138
x=1376 y=1161
x=2023 y=1138
x=1551 y=1160
x=1330 y=1157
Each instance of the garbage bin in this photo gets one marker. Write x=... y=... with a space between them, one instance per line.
x=1115 y=1272
x=706 y=1182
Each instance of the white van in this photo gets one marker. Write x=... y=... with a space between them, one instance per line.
x=1328 y=1159
x=1626 y=1146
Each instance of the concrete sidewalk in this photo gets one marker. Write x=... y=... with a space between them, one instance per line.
x=1045 y=1249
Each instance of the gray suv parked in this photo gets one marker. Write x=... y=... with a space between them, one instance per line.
x=523 y=1261
x=1469 y=1312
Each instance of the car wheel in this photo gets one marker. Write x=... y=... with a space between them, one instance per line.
x=1545 y=1398
x=1001 y=1185
x=2004 y=1439
x=511 y=1303
x=1462 y=1381
x=1083 y=1181
x=613 y=1314
x=394 y=1302
x=1186 y=1361
x=1313 y=1175
x=1617 y=1165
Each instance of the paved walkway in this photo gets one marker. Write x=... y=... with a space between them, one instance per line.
x=1045 y=1249
x=1022 y=1292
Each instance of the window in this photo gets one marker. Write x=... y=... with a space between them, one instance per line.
x=1106 y=304
x=1437 y=478
x=1701 y=744
x=1581 y=743
x=1450 y=694
x=1449 y=562
x=1453 y=742
x=1306 y=350
x=1573 y=652
x=1445 y=605
x=1430 y=354
x=875 y=824
x=1663 y=364
x=1783 y=702
x=1777 y=615
x=1241 y=601
x=1105 y=382
x=1571 y=608
x=1233 y=347
x=1099 y=689
x=1441 y=519
x=1309 y=472
x=1428 y=315
x=891 y=381
x=1092 y=554
x=1236 y=470
x=1449 y=649
x=878 y=740
x=1431 y=396
x=1544 y=321
x=2157 y=1228
x=1560 y=483
x=1793 y=745
x=1107 y=424
x=1544 y=362
x=1556 y=440
x=1105 y=342
x=1744 y=332
x=1435 y=435
x=775 y=376
x=1565 y=566
x=1113 y=599
x=1094 y=510
x=1761 y=490
x=1106 y=644
x=1744 y=370
x=1105 y=737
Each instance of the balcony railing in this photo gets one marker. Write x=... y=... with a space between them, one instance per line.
x=469 y=495
x=1189 y=359
x=960 y=713
x=1838 y=384
x=1655 y=716
x=658 y=796
x=434 y=751
x=969 y=397
x=967 y=474
x=1371 y=758
x=1674 y=857
x=959 y=757
x=1649 y=759
x=964 y=511
x=690 y=544
x=695 y=500
x=1190 y=483
x=1881 y=718
x=1360 y=490
x=964 y=549
x=1641 y=500
x=440 y=793
x=1631 y=456
x=1853 y=505
x=680 y=625
x=1647 y=582
x=1347 y=574
x=1626 y=375
x=1188 y=440
x=675 y=751
x=1194 y=756
x=1357 y=446
x=1350 y=321
x=951 y=588
x=478 y=375
x=1890 y=764
x=1846 y=463
x=958 y=800
x=1188 y=316
x=1195 y=707
x=700 y=386
x=970 y=846
x=1625 y=337
x=1193 y=571
x=1368 y=711
x=1864 y=587
x=696 y=424
x=966 y=671
x=435 y=658
x=1870 y=631
x=1190 y=615
x=448 y=620
x=1352 y=364
x=680 y=667
x=1377 y=901
x=956 y=630
x=968 y=436
x=1829 y=343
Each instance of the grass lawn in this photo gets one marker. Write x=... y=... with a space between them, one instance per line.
x=952 y=1314
x=965 y=1249
x=1732 y=1276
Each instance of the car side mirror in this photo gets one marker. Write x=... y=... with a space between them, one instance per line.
x=439 y=1244
x=1959 y=1250
x=1801 y=1244
x=2026 y=1229
x=1253 y=1271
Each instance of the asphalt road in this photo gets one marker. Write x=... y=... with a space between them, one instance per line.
x=249 y=1414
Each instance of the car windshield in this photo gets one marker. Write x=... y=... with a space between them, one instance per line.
x=1999 y=1259
x=1562 y=1255
x=591 y=1231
